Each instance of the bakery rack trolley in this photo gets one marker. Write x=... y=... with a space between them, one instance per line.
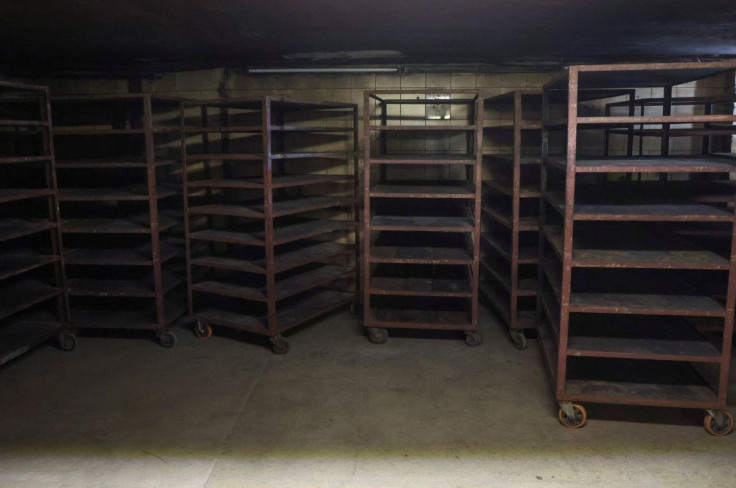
x=271 y=210
x=619 y=316
x=421 y=211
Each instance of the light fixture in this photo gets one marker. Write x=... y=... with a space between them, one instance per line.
x=264 y=71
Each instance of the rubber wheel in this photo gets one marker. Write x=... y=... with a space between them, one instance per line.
x=202 y=330
x=67 y=341
x=167 y=339
x=580 y=417
x=716 y=430
x=473 y=339
x=518 y=339
x=377 y=336
x=279 y=345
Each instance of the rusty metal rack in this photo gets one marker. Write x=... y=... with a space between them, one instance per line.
x=421 y=220
x=118 y=165
x=510 y=208
x=271 y=213
x=619 y=315
x=33 y=307
x=714 y=137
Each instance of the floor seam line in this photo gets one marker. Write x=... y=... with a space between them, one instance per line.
x=237 y=416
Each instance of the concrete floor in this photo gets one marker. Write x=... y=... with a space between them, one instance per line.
x=337 y=411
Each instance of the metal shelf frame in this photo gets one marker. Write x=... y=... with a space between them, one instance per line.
x=270 y=221
x=119 y=197
x=617 y=319
x=511 y=186
x=421 y=235
x=35 y=304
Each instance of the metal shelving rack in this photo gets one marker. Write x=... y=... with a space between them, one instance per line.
x=118 y=164
x=33 y=308
x=271 y=213
x=619 y=315
x=510 y=208
x=714 y=137
x=421 y=219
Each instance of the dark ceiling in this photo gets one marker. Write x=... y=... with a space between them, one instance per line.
x=140 y=36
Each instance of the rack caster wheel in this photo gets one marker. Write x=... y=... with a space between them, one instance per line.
x=718 y=423
x=377 y=336
x=167 y=339
x=202 y=330
x=473 y=339
x=67 y=341
x=279 y=345
x=576 y=420
x=518 y=339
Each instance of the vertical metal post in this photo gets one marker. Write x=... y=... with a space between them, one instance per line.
x=185 y=205
x=515 y=212
x=57 y=241
x=572 y=123
x=153 y=210
x=477 y=181
x=356 y=208
x=273 y=326
x=366 y=237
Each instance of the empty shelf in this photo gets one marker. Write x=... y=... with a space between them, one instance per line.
x=674 y=164
x=460 y=159
x=18 y=262
x=427 y=189
x=286 y=181
x=623 y=303
x=121 y=288
x=14 y=194
x=125 y=319
x=305 y=281
x=525 y=223
x=422 y=224
x=421 y=255
x=14 y=228
x=133 y=225
x=525 y=319
x=527 y=255
x=140 y=256
x=420 y=287
x=230 y=290
x=651 y=394
x=24 y=294
x=20 y=335
x=419 y=319
x=653 y=349
x=504 y=188
x=111 y=194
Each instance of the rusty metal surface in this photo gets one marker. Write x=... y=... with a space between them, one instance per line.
x=107 y=224
x=631 y=378
x=268 y=216
x=422 y=306
x=32 y=275
x=507 y=298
